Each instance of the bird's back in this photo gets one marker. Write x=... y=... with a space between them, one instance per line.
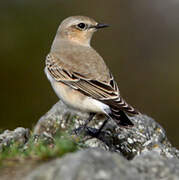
x=82 y=59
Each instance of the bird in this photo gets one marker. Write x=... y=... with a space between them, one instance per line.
x=79 y=75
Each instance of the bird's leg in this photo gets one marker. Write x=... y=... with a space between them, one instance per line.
x=91 y=131
x=97 y=132
x=102 y=126
x=91 y=115
x=80 y=129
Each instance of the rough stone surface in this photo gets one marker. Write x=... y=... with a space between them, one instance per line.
x=19 y=135
x=153 y=166
x=146 y=135
x=95 y=164
x=106 y=156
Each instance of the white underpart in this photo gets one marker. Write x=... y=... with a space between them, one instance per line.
x=94 y=105
x=77 y=100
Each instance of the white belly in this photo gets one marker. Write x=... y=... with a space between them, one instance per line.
x=77 y=100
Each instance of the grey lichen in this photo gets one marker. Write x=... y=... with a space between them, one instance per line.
x=145 y=135
x=105 y=156
x=19 y=135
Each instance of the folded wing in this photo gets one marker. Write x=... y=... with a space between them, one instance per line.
x=107 y=93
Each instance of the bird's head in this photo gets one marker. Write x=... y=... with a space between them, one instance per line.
x=79 y=29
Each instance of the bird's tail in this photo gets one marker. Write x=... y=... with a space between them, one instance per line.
x=119 y=109
x=120 y=117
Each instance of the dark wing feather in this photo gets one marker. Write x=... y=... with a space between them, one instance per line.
x=107 y=93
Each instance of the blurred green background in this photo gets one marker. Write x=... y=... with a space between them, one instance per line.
x=141 y=48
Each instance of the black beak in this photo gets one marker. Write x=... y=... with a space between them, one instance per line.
x=100 y=25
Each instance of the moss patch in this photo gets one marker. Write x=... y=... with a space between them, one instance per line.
x=37 y=149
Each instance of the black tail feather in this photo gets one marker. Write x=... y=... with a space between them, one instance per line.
x=120 y=118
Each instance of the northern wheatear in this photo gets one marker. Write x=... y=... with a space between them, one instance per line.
x=79 y=75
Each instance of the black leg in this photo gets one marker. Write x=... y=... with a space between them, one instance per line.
x=82 y=128
x=97 y=132
x=102 y=126
x=91 y=115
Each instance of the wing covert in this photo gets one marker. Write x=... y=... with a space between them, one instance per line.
x=105 y=92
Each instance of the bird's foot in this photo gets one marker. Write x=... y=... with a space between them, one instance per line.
x=93 y=132
x=88 y=131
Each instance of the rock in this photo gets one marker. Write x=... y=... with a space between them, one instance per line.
x=153 y=166
x=146 y=135
x=107 y=157
x=95 y=164
x=19 y=135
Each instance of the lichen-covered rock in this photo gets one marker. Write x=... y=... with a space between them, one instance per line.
x=146 y=145
x=19 y=135
x=146 y=135
x=95 y=164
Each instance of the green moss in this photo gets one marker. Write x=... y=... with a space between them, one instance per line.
x=43 y=149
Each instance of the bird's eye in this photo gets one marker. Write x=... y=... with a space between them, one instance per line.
x=81 y=25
